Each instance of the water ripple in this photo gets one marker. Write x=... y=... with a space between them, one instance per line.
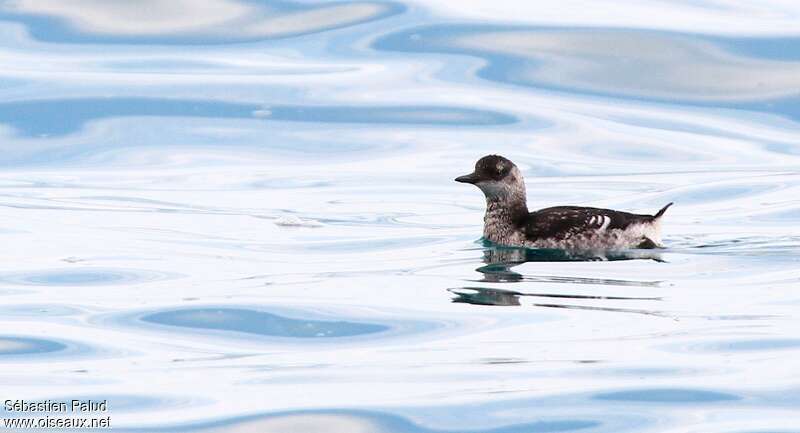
x=83 y=277
x=14 y=346
x=56 y=117
x=38 y=310
x=269 y=324
x=187 y=21
x=667 y=395
x=259 y=323
x=353 y=421
x=639 y=64
x=739 y=345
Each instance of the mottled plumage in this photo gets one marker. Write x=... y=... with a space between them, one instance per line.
x=508 y=221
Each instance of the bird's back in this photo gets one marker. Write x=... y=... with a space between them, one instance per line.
x=576 y=227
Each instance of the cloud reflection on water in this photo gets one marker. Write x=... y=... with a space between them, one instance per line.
x=186 y=21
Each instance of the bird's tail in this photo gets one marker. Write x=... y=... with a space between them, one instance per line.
x=660 y=213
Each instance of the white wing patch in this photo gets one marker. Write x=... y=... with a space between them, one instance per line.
x=601 y=221
x=604 y=225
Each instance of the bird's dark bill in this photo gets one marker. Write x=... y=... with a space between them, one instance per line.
x=467 y=178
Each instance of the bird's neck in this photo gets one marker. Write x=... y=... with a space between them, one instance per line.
x=504 y=218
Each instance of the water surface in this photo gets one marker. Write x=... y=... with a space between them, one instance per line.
x=239 y=215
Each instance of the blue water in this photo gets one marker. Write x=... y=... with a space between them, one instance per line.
x=240 y=215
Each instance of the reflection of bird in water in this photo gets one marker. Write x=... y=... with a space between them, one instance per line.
x=508 y=222
x=500 y=297
x=494 y=254
x=484 y=296
x=499 y=261
x=487 y=296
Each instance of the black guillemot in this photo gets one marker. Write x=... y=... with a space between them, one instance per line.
x=508 y=221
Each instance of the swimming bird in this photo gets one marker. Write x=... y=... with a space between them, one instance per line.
x=508 y=222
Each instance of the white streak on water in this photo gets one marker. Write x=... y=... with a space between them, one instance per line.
x=293 y=221
x=762 y=17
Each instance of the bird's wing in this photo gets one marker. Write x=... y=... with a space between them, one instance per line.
x=563 y=222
